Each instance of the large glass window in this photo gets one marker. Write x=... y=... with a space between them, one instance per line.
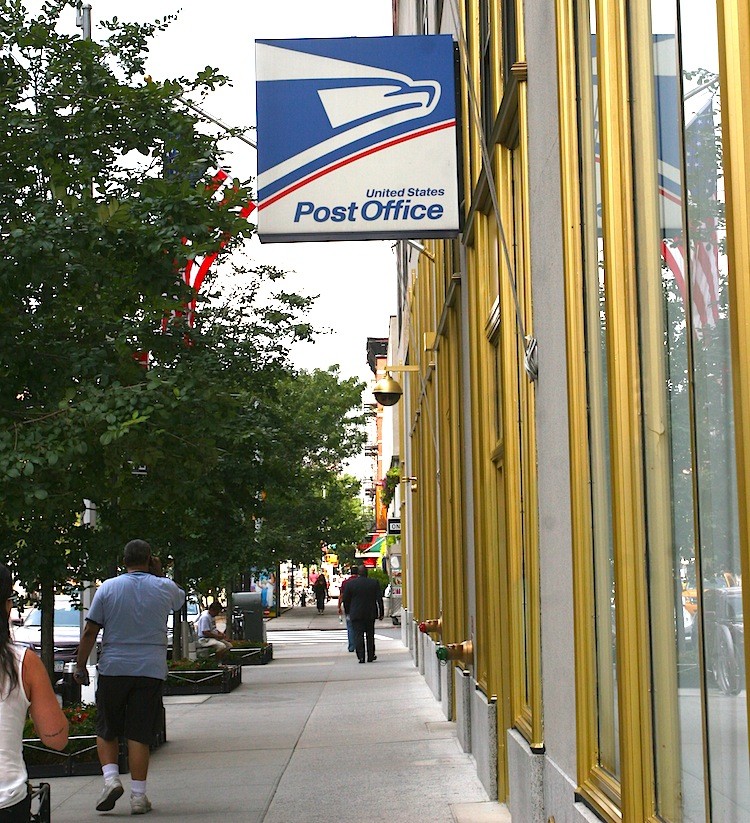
x=510 y=48
x=699 y=705
x=655 y=487
x=595 y=316
x=487 y=89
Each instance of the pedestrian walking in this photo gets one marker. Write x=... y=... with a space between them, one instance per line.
x=132 y=609
x=24 y=686
x=320 y=589
x=353 y=573
x=363 y=601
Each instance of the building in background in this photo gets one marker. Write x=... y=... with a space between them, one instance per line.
x=373 y=546
x=571 y=441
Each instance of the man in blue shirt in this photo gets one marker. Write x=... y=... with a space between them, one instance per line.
x=132 y=609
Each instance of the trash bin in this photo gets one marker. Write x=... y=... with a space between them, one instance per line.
x=253 y=627
x=66 y=687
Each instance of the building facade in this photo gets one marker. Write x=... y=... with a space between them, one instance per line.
x=572 y=437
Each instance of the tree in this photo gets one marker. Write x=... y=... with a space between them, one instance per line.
x=92 y=220
x=107 y=181
x=202 y=453
x=308 y=501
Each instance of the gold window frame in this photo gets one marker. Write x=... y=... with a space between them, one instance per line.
x=631 y=798
x=734 y=60
x=519 y=445
x=634 y=799
x=508 y=631
x=595 y=784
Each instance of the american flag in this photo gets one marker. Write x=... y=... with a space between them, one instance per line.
x=692 y=254
x=685 y=169
x=196 y=269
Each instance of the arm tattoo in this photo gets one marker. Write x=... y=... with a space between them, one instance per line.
x=54 y=734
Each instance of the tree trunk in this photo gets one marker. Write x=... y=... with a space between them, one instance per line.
x=47 y=632
x=178 y=653
x=230 y=610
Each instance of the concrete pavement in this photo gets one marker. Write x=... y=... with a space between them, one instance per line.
x=312 y=736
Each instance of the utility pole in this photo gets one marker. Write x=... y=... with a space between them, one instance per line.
x=88 y=588
x=83 y=19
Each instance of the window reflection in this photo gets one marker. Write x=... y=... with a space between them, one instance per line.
x=706 y=692
x=596 y=369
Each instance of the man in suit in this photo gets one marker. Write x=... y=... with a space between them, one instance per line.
x=353 y=574
x=363 y=602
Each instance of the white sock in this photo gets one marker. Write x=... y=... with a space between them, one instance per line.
x=110 y=770
x=137 y=787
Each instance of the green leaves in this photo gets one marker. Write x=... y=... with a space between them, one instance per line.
x=91 y=234
x=95 y=217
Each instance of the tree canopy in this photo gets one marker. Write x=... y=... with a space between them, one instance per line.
x=218 y=445
x=308 y=503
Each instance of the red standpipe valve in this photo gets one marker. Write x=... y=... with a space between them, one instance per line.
x=429 y=626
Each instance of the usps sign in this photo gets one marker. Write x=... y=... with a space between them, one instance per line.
x=356 y=138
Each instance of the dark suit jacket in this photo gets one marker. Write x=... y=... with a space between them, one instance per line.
x=362 y=599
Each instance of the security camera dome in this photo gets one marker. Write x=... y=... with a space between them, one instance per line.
x=387 y=391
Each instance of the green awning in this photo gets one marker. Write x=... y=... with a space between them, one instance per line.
x=374 y=549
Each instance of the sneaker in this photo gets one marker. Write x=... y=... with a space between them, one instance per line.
x=111 y=793
x=139 y=804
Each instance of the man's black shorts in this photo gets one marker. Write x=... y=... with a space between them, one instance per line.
x=18 y=813
x=128 y=707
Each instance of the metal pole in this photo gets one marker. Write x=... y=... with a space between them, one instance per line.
x=83 y=20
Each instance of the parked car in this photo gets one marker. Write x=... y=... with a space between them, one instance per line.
x=67 y=632
x=724 y=631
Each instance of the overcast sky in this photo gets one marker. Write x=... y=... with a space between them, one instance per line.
x=356 y=281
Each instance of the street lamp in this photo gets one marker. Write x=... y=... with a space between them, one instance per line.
x=388 y=391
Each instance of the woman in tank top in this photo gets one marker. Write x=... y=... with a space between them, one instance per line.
x=24 y=686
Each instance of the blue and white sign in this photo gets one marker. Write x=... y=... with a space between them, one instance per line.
x=356 y=138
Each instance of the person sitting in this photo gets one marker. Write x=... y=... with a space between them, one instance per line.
x=209 y=637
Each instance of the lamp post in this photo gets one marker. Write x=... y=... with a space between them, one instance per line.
x=388 y=391
x=83 y=20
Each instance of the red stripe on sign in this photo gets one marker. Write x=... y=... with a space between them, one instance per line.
x=403 y=139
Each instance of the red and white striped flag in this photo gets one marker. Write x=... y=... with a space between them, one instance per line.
x=692 y=254
x=701 y=292
x=197 y=268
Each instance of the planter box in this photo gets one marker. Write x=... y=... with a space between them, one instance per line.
x=84 y=762
x=252 y=657
x=210 y=681
x=44 y=762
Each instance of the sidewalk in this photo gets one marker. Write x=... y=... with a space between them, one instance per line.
x=312 y=736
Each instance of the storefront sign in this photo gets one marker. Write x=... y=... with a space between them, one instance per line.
x=356 y=138
x=394 y=525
